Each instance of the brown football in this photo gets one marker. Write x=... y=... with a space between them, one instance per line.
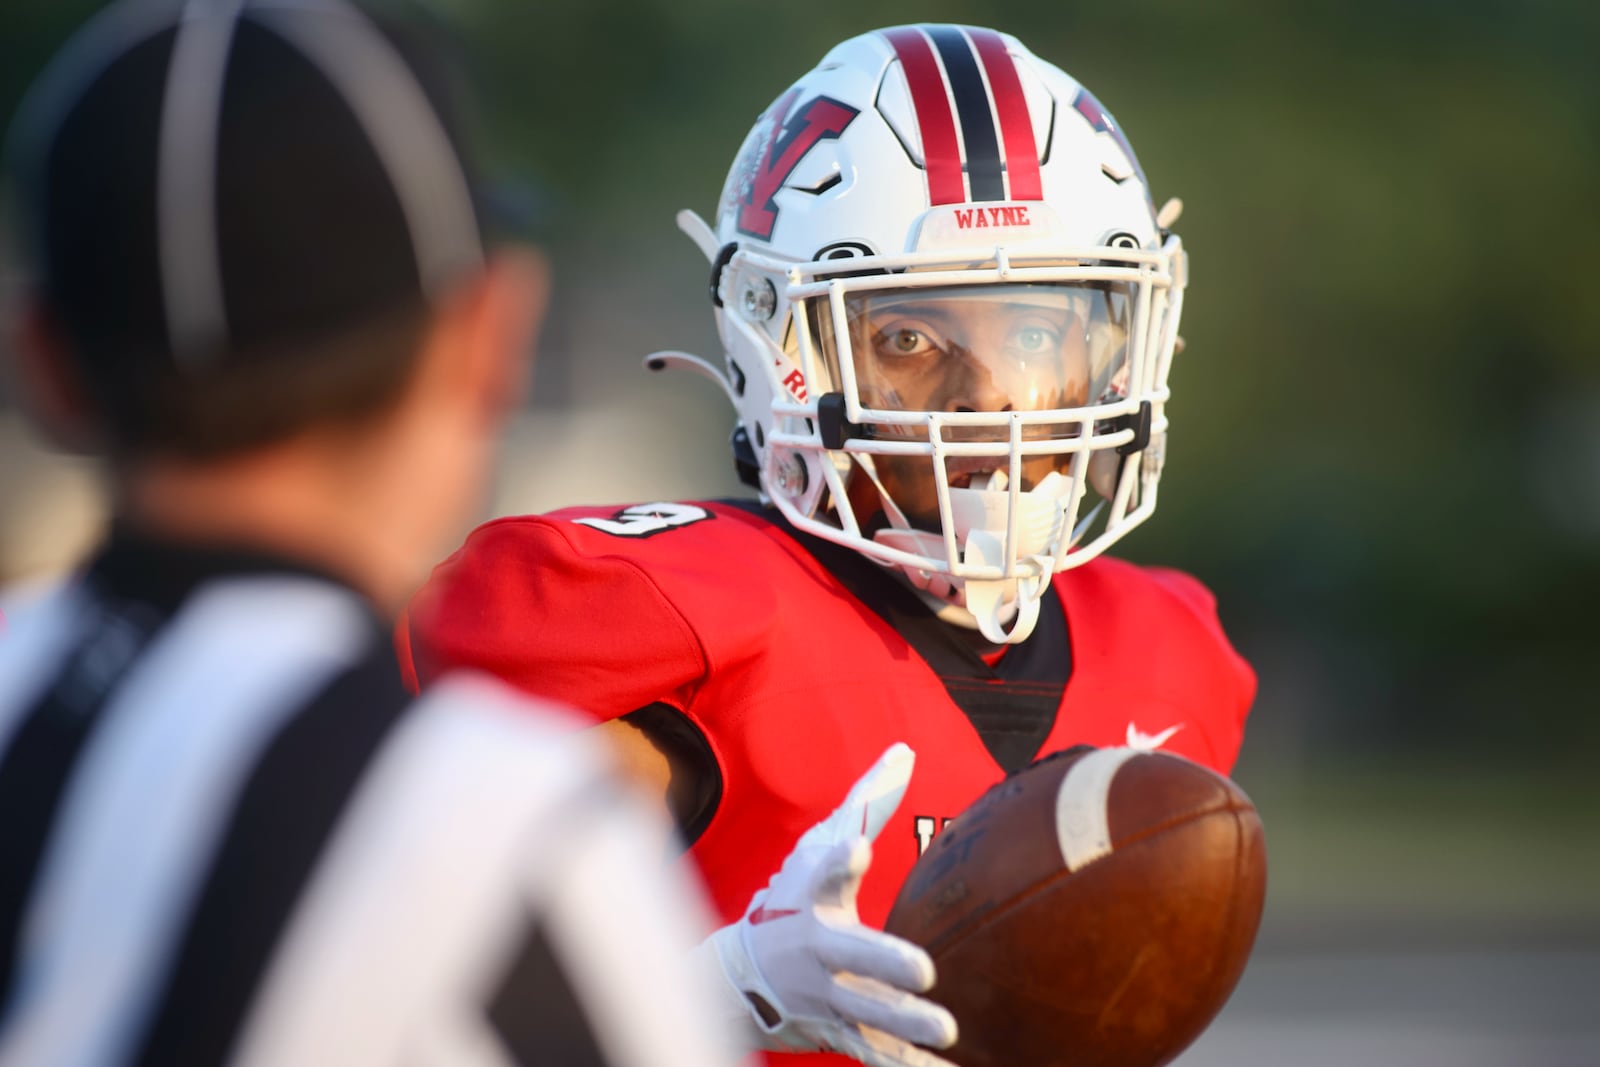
x=1093 y=910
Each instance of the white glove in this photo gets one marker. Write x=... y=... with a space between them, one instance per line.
x=801 y=971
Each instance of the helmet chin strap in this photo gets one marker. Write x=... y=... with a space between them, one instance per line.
x=1003 y=610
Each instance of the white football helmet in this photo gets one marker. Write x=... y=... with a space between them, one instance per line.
x=948 y=306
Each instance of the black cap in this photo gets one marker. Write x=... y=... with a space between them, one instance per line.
x=204 y=180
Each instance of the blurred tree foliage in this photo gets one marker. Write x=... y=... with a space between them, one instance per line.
x=1386 y=453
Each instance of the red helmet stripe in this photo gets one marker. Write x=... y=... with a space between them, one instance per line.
x=1016 y=126
x=941 y=151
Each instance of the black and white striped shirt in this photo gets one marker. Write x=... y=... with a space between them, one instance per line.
x=228 y=835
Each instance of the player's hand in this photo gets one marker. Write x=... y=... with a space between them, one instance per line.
x=802 y=970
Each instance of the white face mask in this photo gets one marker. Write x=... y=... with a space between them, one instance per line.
x=967 y=398
x=983 y=353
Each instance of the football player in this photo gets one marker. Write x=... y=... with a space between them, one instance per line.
x=948 y=307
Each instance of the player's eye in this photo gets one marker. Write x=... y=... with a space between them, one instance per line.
x=908 y=341
x=904 y=340
x=1035 y=339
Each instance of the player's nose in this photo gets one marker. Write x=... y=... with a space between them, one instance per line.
x=978 y=387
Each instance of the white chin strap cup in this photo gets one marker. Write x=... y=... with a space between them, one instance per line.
x=1004 y=610
x=988 y=509
x=993 y=604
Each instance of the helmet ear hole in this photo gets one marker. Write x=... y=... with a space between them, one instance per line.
x=1121 y=239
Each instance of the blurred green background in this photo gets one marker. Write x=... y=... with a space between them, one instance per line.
x=1385 y=453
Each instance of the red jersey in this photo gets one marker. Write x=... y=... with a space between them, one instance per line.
x=799 y=666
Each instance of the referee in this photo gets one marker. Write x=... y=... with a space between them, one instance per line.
x=227 y=835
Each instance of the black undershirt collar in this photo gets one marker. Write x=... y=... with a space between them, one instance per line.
x=1011 y=705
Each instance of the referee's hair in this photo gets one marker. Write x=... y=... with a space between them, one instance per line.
x=342 y=376
x=238 y=227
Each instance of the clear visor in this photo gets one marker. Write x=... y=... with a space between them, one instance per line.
x=977 y=354
x=1025 y=347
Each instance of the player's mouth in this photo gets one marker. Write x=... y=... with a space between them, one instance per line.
x=988 y=472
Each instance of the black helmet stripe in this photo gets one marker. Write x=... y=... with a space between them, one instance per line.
x=978 y=135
